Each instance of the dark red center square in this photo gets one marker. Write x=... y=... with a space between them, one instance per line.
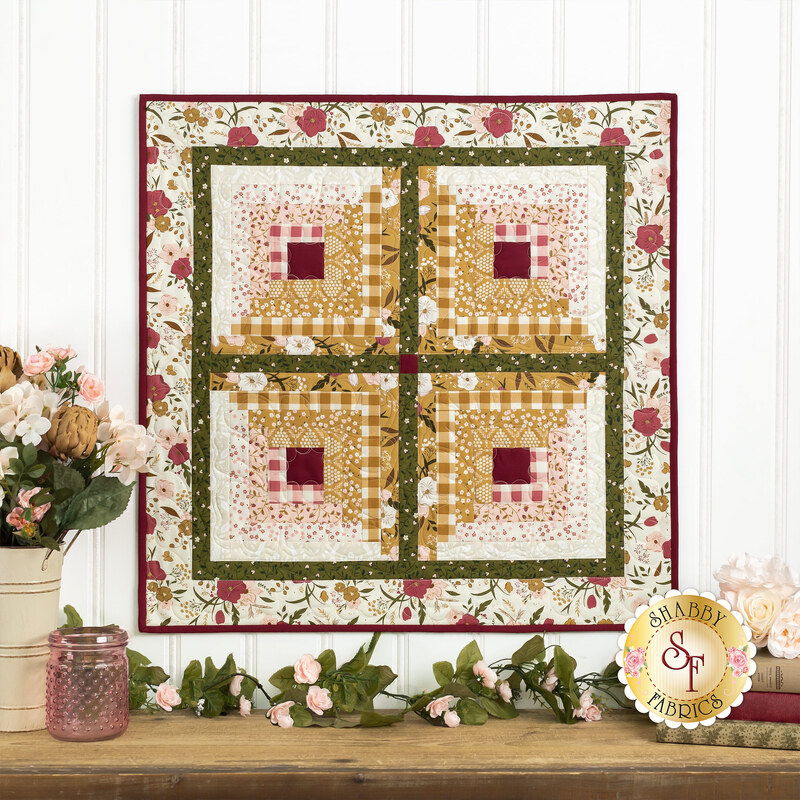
x=512 y=259
x=304 y=466
x=306 y=260
x=511 y=465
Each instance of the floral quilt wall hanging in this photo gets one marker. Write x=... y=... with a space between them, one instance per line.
x=409 y=361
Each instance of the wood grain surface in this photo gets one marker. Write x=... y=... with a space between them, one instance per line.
x=179 y=756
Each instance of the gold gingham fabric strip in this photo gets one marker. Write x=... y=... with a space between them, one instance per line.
x=449 y=405
x=446 y=261
x=521 y=326
x=308 y=326
x=371 y=280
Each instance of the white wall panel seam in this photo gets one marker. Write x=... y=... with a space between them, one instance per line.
x=23 y=177
x=707 y=302
x=559 y=45
x=406 y=46
x=634 y=44
x=783 y=284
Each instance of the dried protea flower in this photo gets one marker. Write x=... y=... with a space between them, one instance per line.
x=73 y=432
x=9 y=358
x=7 y=378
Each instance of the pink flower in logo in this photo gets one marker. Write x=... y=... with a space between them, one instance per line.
x=738 y=662
x=499 y=122
x=428 y=136
x=242 y=137
x=614 y=136
x=634 y=661
x=313 y=121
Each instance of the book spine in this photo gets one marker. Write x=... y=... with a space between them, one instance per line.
x=768 y=707
x=765 y=735
x=776 y=674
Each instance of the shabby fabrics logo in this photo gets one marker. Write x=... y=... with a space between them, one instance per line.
x=686 y=659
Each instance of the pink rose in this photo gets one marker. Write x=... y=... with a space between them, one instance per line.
x=92 y=389
x=38 y=363
x=614 y=136
x=649 y=238
x=318 y=700
x=634 y=661
x=588 y=710
x=451 y=719
x=499 y=122
x=279 y=714
x=646 y=421
x=313 y=121
x=428 y=136
x=550 y=680
x=484 y=674
x=235 y=686
x=439 y=706
x=784 y=636
x=738 y=661
x=504 y=690
x=244 y=706
x=307 y=669
x=167 y=696
x=15 y=518
x=61 y=353
x=242 y=137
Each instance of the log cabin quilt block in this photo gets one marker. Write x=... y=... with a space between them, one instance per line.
x=409 y=361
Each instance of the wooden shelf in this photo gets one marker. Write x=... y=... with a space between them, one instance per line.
x=178 y=756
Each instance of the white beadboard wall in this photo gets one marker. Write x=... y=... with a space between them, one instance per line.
x=70 y=74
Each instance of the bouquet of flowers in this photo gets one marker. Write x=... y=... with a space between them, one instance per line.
x=68 y=460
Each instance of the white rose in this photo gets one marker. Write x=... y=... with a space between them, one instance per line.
x=299 y=346
x=428 y=310
x=759 y=607
x=464 y=342
x=468 y=381
x=784 y=637
x=426 y=491
x=6 y=454
x=127 y=454
x=424 y=384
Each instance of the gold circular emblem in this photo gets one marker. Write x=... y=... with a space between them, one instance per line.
x=686 y=658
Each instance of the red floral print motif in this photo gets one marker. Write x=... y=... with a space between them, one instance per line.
x=591 y=601
x=614 y=136
x=157 y=203
x=416 y=588
x=157 y=388
x=181 y=268
x=313 y=121
x=153 y=338
x=599 y=581
x=649 y=238
x=242 y=137
x=231 y=591
x=428 y=136
x=646 y=421
x=499 y=122
x=665 y=367
x=468 y=619
x=178 y=453
x=155 y=571
x=152 y=155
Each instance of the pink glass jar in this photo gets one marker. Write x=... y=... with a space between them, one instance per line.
x=87 y=683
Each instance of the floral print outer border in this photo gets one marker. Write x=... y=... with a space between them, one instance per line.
x=170 y=599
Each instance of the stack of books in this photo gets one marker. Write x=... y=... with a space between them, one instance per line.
x=768 y=716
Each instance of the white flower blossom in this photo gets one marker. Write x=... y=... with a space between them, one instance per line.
x=424 y=384
x=299 y=346
x=31 y=429
x=388 y=516
x=464 y=342
x=254 y=382
x=426 y=491
x=468 y=381
x=388 y=381
x=388 y=198
x=428 y=310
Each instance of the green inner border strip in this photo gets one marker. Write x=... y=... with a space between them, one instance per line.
x=204 y=362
